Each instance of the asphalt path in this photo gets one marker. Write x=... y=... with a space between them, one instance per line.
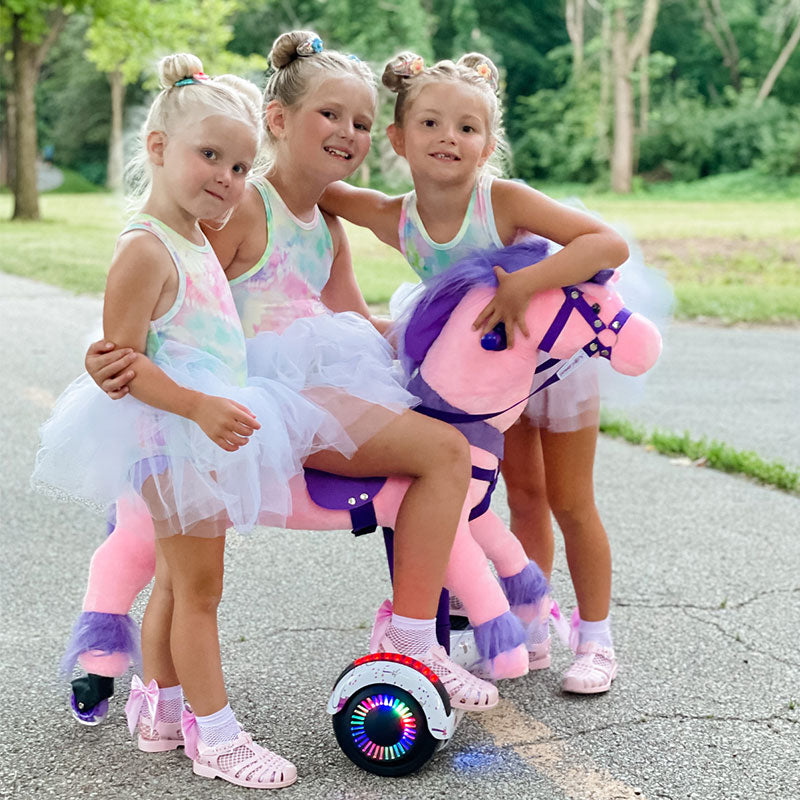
x=706 y=610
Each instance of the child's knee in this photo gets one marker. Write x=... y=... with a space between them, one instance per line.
x=526 y=493
x=450 y=452
x=574 y=513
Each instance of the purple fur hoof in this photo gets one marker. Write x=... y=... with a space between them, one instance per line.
x=88 y=716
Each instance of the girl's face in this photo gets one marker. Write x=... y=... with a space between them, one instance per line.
x=445 y=135
x=205 y=163
x=328 y=131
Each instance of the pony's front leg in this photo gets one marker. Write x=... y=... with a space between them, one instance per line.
x=499 y=635
x=523 y=581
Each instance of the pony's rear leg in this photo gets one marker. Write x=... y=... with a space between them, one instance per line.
x=105 y=640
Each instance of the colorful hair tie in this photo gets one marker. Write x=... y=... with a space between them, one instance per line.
x=197 y=77
x=485 y=71
x=352 y=57
x=310 y=46
x=408 y=66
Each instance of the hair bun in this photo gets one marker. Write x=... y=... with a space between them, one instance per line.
x=173 y=68
x=402 y=66
x=284 y=48
x=483 y=65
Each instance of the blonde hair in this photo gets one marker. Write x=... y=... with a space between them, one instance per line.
x=406 y=75
x=186 y=92
x=299 y=62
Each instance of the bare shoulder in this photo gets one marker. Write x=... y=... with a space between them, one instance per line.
x=143 y=254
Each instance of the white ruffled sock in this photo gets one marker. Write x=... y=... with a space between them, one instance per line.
x=218 y=728
x=599 y=631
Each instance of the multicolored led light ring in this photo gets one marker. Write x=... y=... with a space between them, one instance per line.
x=402 y=713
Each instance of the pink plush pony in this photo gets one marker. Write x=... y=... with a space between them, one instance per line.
x=473 y=382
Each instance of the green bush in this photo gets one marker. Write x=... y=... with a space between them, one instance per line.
x=561 y=141
x=780 y=148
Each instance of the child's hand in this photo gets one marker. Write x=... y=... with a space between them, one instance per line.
x=509 y=305
x=109 y=367
x=226 y=422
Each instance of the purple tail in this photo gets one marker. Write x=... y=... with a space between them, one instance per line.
x=527 y=587
x=499 y=635
x=109 y=633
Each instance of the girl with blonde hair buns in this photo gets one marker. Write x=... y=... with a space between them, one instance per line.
x=448 y=126
x=289 y=269
x=200 y=445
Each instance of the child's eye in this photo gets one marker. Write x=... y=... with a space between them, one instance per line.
x=328 y=114
x=208 y=153
x=429 y=123
x=362 y=126
x=468 y=129
x=241 y=169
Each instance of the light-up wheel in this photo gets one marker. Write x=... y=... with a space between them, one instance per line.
x=383 y=730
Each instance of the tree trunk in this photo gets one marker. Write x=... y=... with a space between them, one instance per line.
x=10 y=133
x=625 y=54
x=780 y=63
x=574 y=19
x=26 y=195
x=115 y=154
x=604 y=112
x=644 y=91
x=622 y=153
x=716 y=23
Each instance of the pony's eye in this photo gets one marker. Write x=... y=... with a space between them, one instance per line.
x=596 y=308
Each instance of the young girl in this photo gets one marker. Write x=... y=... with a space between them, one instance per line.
x=447 y=125
x=288 y=267
x=202 y=446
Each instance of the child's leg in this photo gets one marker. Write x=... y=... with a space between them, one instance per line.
x=189 y=579
x=194 y=565
x=569 y=462
x=569 y=466
x=523 y=471
x=437 y=458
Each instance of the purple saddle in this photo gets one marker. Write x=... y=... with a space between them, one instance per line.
x=340 y=493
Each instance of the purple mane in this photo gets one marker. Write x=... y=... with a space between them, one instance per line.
x=444 y=292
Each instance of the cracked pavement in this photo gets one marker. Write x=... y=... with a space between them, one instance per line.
x=706 y=611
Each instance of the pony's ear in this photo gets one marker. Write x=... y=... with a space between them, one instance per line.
x=638 y=346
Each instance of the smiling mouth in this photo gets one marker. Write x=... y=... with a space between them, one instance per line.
x=337 y=153
x=445 y=156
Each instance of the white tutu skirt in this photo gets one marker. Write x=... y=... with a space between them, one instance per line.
x=342 y=364
x=96 y=450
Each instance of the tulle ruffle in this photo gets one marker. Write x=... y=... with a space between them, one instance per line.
x=96 y=450
x=342 y=364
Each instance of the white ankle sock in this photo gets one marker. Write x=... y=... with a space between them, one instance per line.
x=410 y=636
x=599 y=631
x=170 y=704
x=218 y=728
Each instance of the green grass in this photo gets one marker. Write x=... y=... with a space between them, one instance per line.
x=705 y=452
x=733 y=261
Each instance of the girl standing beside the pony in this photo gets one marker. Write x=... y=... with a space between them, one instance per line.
x=447 y=125
x=289 y=268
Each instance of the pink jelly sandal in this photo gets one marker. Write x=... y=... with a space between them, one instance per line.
x=242 y=761
x=466 y=691
x=592 y=671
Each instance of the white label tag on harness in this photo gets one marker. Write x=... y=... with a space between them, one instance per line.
x=572 y=363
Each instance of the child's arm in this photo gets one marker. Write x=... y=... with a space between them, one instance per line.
x=341 y=292
x=588 y=247
x=135 y=293
x=366 y=208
